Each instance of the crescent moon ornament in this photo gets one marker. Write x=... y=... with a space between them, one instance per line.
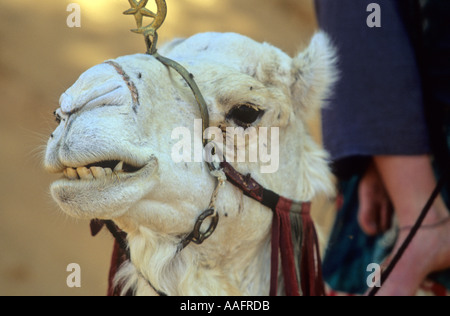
x=139 y=10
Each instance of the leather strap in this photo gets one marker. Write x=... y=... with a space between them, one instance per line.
x=250 y=187
x=120 y=252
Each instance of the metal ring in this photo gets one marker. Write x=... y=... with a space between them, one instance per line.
x=196 y=236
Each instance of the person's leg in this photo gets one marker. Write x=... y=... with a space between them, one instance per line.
x=410 y=181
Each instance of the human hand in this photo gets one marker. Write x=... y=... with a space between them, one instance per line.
x=375 y=207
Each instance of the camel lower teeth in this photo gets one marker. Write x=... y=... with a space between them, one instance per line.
x=108 y=171
x=98 y=172
x=71 y=173
x=85 y=173
x=119 y=167
x=92 y=173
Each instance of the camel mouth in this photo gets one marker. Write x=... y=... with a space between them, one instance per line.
x=100 y=170
x=103 y=189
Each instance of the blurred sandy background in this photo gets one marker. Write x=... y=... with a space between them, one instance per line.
x=40 y=57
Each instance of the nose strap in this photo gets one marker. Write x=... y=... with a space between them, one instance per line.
x=130 y=84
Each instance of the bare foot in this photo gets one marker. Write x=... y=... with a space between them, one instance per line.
x=428 y=252
x=375 y=209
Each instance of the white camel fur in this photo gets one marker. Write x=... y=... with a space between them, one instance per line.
x=157 y=201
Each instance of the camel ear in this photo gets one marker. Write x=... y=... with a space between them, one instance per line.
x=314 y=75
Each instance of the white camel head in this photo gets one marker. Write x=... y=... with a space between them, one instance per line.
x=115 y=145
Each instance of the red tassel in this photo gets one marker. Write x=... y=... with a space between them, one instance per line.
x=310 y=268
x=118 y=258
x=275 y=254
x=282 y=243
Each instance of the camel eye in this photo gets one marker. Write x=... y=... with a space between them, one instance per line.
x=245 y=115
